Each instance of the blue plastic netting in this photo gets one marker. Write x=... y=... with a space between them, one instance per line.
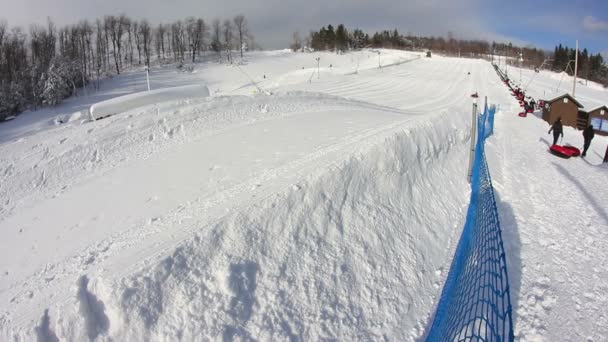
x=475 y=304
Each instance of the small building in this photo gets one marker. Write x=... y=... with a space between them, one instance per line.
x=565 y=107
x=598 y=117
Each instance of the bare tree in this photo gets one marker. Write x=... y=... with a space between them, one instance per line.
x=197 y=31
x=117 y=27
x=160 y=41
x=107 y=23
x=297 y=42
x=100 y=50
x=178 y=40
x=112 y=24
x=129 y=27
x=137 y=39
x=216 y=41
x=84 y=37
x=240 y=24
x=146 y=38
x=228 y=38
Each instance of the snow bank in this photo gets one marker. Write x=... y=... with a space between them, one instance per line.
x=132 y=101
x=356 y=252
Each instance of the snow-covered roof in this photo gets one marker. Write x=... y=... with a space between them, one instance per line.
x=598 y=108
x=568 y=96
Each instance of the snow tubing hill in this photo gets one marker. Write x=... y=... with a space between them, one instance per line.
x=128 y=102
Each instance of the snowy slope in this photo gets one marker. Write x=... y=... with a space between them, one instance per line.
x=286 y=205
x=326 y=210
x=555 y=222
x=547 y=85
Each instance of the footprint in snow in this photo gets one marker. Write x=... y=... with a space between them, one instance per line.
x=9 y=170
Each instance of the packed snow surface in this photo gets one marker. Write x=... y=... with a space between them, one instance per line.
x=298 y=202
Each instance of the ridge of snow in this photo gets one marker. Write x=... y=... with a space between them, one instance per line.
x=256 y=271
x=132 y=101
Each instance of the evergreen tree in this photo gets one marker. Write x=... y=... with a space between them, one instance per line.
x=330 y=38
x=341 y=38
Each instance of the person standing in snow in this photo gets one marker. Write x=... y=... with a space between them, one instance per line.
x=588 y=134
x=533 y=104
x=558 y=129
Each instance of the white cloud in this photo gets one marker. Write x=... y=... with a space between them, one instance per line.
x=594 y=25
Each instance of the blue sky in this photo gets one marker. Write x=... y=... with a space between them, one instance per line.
x=544 y=23
x=547 y=23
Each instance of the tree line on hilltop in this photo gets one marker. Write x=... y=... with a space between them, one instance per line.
x=49 y=63
x=590 y=66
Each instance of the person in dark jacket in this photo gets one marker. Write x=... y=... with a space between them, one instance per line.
x=588 y=134
x=558 y=129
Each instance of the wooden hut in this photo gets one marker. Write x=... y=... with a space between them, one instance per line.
x=565 y=107
x=598 y=117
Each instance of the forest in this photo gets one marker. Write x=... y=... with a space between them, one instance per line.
x=46 y=64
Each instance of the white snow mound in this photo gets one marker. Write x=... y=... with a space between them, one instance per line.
x=128 y=102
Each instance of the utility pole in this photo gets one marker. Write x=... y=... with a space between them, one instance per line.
x=507 y=63
x=575 y=71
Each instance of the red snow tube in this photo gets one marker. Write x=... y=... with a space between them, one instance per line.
x=565 y=151
x=530 y=110
x=574 y=152
x=523 y=114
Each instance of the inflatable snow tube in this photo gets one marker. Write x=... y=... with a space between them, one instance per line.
x=574 y=152
x=523 y=114
x=565 y=151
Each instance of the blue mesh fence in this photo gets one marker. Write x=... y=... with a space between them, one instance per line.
x=475 y=304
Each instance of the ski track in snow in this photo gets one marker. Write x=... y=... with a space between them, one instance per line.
x=327 y=210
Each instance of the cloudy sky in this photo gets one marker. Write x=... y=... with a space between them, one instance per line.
x=544 y=23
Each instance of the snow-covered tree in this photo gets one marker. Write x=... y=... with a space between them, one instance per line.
x=240 y=25
x=216 y=41
x=59 y=81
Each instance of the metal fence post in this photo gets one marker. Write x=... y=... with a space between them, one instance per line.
x=473 y=142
